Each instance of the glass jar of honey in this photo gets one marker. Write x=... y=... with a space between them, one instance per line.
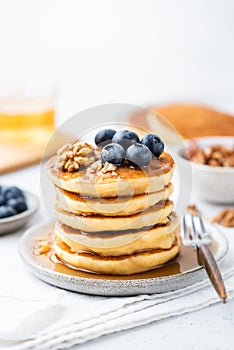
x=27 y=111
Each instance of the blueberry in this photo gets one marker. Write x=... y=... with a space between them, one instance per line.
x=2 y=199
x=154 y=143
x=11 y=211
x=125 y=138
x=139 y=155
x=104 y=137
x=12 y=192
x=3 y=211
x=6 y=211
x=113 y=153
x=18 y=204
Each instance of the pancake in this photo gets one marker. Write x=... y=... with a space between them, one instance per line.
x=109 y=244
x=126 y=180
x=157 y=214
x=112 y=220
x=120 y=206
x=121 y=265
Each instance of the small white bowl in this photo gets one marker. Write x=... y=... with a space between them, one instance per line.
x=213 y=184
x=17 y=221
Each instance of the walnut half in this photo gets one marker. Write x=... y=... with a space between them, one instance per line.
x=72 y=156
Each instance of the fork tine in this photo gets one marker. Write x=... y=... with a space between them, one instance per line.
x=204 y=235
x=187 y=239
x=192 y=234
x=193 y=229
x=185 y=229
x=201 y=224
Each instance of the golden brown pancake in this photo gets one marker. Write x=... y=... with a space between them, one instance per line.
x=120 y=206
x=109 y=244
x=188 y=119
x=127 y=181
x=121 y=265
x=158 y=214
x=115 y=222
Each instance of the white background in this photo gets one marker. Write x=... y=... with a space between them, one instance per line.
x=143 y=52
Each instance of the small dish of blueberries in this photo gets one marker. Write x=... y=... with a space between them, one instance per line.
x=16 y=208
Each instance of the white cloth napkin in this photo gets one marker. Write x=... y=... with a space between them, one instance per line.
x=57 y=319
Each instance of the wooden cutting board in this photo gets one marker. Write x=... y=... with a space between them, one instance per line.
x=16 y=156
x=13 y=157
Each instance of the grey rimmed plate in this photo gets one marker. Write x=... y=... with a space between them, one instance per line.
x=15 y=222
x=179 y=273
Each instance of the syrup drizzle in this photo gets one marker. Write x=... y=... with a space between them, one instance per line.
x=185 y=261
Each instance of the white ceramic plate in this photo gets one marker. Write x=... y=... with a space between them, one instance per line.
x=155 y=281
x=17 y=221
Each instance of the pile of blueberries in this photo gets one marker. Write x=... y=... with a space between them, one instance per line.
x=122 y=145
x=12 y=201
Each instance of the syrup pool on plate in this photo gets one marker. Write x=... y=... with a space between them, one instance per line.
x=186 y=261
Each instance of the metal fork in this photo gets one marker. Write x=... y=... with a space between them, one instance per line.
x=200 y=240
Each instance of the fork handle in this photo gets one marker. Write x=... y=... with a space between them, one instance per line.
x=211 y=267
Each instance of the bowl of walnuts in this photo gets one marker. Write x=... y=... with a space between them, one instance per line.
x=212 y=162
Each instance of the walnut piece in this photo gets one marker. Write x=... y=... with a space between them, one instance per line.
x=191 y=208
x=215 y=155
x=229 y=160
x=72 y=156
x=97 y=165
x=108 y=167
x=225 y=218
x=43 y=246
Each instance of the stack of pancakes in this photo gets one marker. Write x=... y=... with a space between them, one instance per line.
x=119 y=222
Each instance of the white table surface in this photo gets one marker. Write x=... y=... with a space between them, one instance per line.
x=210 y=328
